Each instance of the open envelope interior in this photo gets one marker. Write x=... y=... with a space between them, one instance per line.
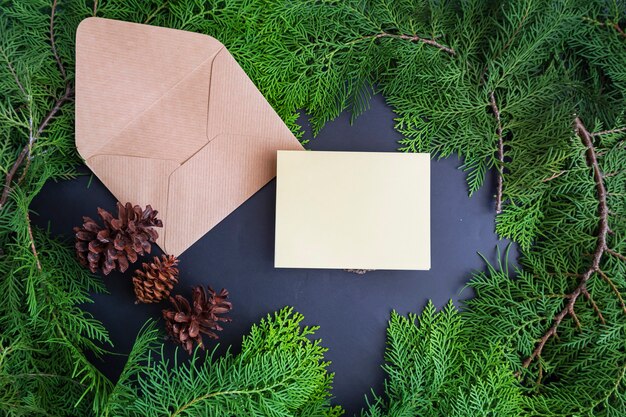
x=168 y=118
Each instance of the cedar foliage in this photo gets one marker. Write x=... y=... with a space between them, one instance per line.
x=531 y=91
x=279 y=372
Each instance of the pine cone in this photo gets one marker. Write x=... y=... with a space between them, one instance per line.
x=186 y=324
x=121 y=239
x=156 y=279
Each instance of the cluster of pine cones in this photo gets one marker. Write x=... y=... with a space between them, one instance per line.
x=119 y=242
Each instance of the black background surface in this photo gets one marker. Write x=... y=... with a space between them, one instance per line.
x=352 y=310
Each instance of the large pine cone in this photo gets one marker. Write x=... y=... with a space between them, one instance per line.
x=186 y=323
x=119 y=242
x=155 y=280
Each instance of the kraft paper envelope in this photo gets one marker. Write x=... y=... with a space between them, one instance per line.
x=167 y=118
x=357 y=210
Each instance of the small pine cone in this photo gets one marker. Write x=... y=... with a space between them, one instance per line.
x=119 y=242
x=186 y=323
x=155 y=280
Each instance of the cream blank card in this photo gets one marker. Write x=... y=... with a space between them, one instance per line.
x=361 y=210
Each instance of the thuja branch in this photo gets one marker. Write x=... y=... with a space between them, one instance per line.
x=26 y=149
x=53 y=43
x=595 y=307
x=609 y=132
x=32 y=242
x=24 y=154
x=496 y=113
x=609 y=24
x=414 y=38
x=600 y=249
x=614 y=288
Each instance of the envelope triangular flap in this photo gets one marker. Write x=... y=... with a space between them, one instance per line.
x=240 y=158
x=124 y=70
x=174 y=127
x=236 y=106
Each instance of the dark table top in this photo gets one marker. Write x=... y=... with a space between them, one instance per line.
x=237 y=254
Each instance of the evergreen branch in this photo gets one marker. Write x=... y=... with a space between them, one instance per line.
x=496 y=113
x=69 y=91
x=155 y=12
x=554 y=176
x=26 y=150
x=53 y=42
x=413 y=38
x=614 y=288
x=210 y=395
x=67 y=96
x=612 y=391
x=608 y=132
x=32 y=241
x=616 y=254
x=595 y=307
x=507 y=44
x=600 y=249
x=608 y=23
x=14 y=74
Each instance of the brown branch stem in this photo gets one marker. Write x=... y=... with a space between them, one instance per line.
x=414 y=38
x=601 y=246
x=594 y=305
x=499 y=185
x=616 y=254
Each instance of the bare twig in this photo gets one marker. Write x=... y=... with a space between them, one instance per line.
x=496 y=113
x=601 y=247
x=594 y=305
x=414 y=38
x=614 y=288
x=95 y=7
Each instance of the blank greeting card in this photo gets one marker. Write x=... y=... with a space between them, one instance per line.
x=353 y=210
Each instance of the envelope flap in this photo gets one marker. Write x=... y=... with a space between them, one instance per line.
x=237 y=107
x=123 y=68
